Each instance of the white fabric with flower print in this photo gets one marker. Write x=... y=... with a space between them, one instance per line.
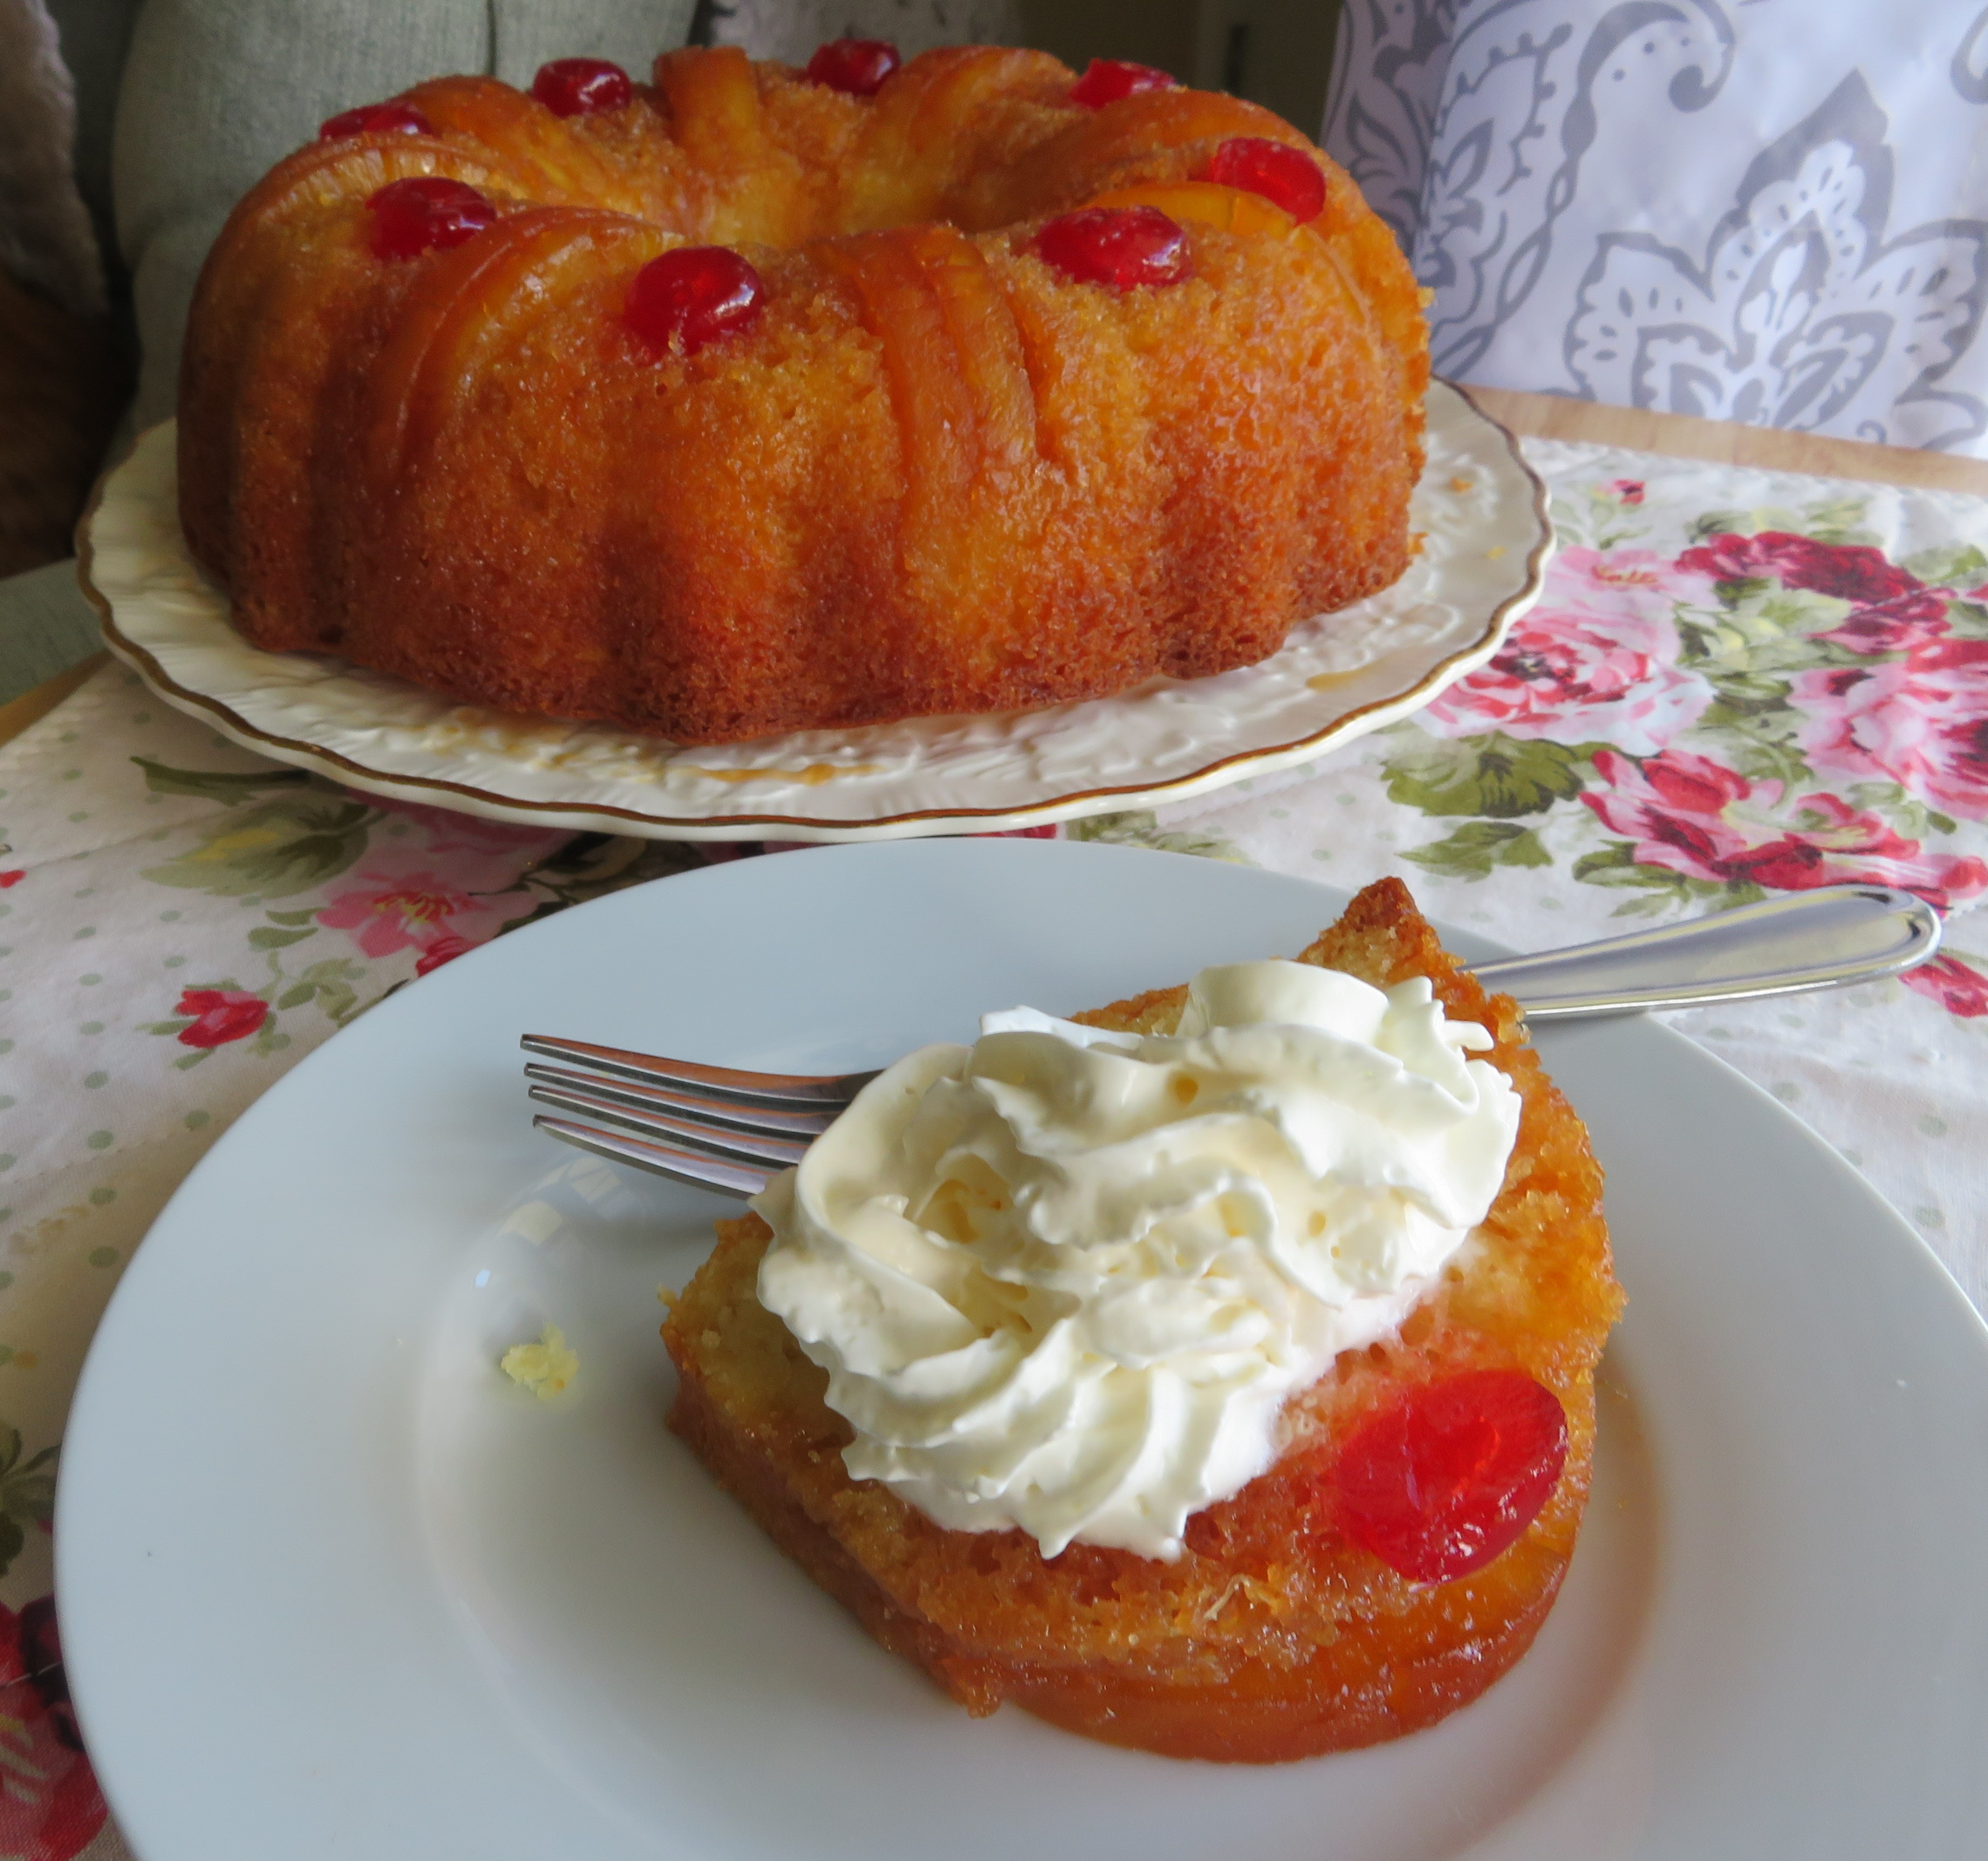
x=1601 y=662
x=1767 y=707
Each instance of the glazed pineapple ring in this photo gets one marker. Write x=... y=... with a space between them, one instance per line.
x=757 y=400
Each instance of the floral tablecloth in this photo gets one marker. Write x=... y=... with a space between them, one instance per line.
x=1738 y=683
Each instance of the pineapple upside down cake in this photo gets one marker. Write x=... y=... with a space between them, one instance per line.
x=753 y=398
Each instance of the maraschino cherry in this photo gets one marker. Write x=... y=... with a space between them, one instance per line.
x=1105 y=81
x=857 y=66
x=691 y=296
x=1285 y=176
x=1119 y=246
x=426 y=213
x=1448 y=1476
x=578 y=86
x=375 y=119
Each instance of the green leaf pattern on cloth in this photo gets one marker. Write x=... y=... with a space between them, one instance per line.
x=1501 y=777
x=274 y=849
x=1140 y=827
x=1474 y=848
x=27 y=1493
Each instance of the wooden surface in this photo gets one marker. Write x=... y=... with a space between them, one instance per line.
x=1680 y=436
x=1531 y=416
x=31 y=707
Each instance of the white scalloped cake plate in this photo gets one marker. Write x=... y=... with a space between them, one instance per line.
x=1480 y=508
x=331 y=1586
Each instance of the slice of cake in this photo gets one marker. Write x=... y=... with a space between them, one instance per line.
x=1215 y=1377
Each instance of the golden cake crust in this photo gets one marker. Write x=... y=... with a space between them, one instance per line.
x=936 y=476
x=1273 y=1637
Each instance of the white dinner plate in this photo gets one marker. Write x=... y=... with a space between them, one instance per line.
x=1480 y=509
x=332 y=1586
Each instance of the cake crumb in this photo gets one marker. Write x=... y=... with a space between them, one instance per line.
x=545 y=1367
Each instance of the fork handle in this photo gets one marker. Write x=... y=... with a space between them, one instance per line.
x=1799 y=940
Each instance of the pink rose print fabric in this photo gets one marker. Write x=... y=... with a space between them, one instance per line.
x=218 y=1015
x=50 y=1807
x=1918 y=716
x=1687 y=813
x=1767 y=709
x=409 y=887
x=417 y=911
x=1851 y=571
x=1948 y=981
x=1600 y=663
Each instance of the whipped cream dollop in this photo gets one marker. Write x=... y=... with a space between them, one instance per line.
x=1065 y=1279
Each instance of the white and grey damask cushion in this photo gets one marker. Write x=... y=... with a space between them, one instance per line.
x=1768 y=211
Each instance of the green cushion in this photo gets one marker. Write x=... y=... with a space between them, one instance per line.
x=215 y=92
x=45 y=626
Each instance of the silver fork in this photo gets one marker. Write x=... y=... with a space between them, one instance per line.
x=717 y=1127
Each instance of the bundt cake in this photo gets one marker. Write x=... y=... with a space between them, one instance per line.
x=754 y=398
x=1397 y=1555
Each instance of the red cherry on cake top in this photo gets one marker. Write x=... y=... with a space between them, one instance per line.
x=691 y=296
x=375 y=119
x=858 y=67
x=1449 y=1476
x=1285 y=176
x=1119 y=246
x=425 y=213
x=578 y=86
x=1105 y=81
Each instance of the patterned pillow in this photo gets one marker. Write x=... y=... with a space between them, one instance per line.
x=1770 y=214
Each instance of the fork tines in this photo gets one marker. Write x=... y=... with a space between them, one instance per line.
x=732 y=1146
x=667 y=1106
x=708 y=1125
x=801 y=1091
x=694 y=1167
